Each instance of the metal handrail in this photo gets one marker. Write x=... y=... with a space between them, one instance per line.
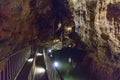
x=8 y=56
x=52 y=72
x=14 y=64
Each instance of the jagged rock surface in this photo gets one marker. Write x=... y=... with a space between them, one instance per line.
x=98 y=26
x=20 y=22
x=27 y=22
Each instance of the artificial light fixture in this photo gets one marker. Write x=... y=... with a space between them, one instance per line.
x=49 y=50
x=30 y=60
x=51 y=55
x=69 y=46
x=39 y=54
x=40 y=70
x=56 y=64
x=69 y=60
x=69 y=29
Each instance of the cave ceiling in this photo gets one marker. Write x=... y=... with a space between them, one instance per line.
x=23 y=23
x=90 y=25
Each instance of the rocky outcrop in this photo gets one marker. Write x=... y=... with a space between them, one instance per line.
x=97 y=22
x=20 y=23
x=27 y=22
x=97 y=26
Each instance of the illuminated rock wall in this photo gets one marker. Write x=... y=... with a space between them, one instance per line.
x=97 y=23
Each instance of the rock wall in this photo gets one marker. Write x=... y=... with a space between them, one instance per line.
x=97 y=23
x=21 y=24
x=27 y=22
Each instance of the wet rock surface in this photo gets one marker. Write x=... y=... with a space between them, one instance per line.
x=97 y=30
x=97 y=24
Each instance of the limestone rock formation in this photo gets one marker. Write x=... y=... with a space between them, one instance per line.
x=27 y=22
x=19 y=26
x=97 y=30
x=97 y=23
